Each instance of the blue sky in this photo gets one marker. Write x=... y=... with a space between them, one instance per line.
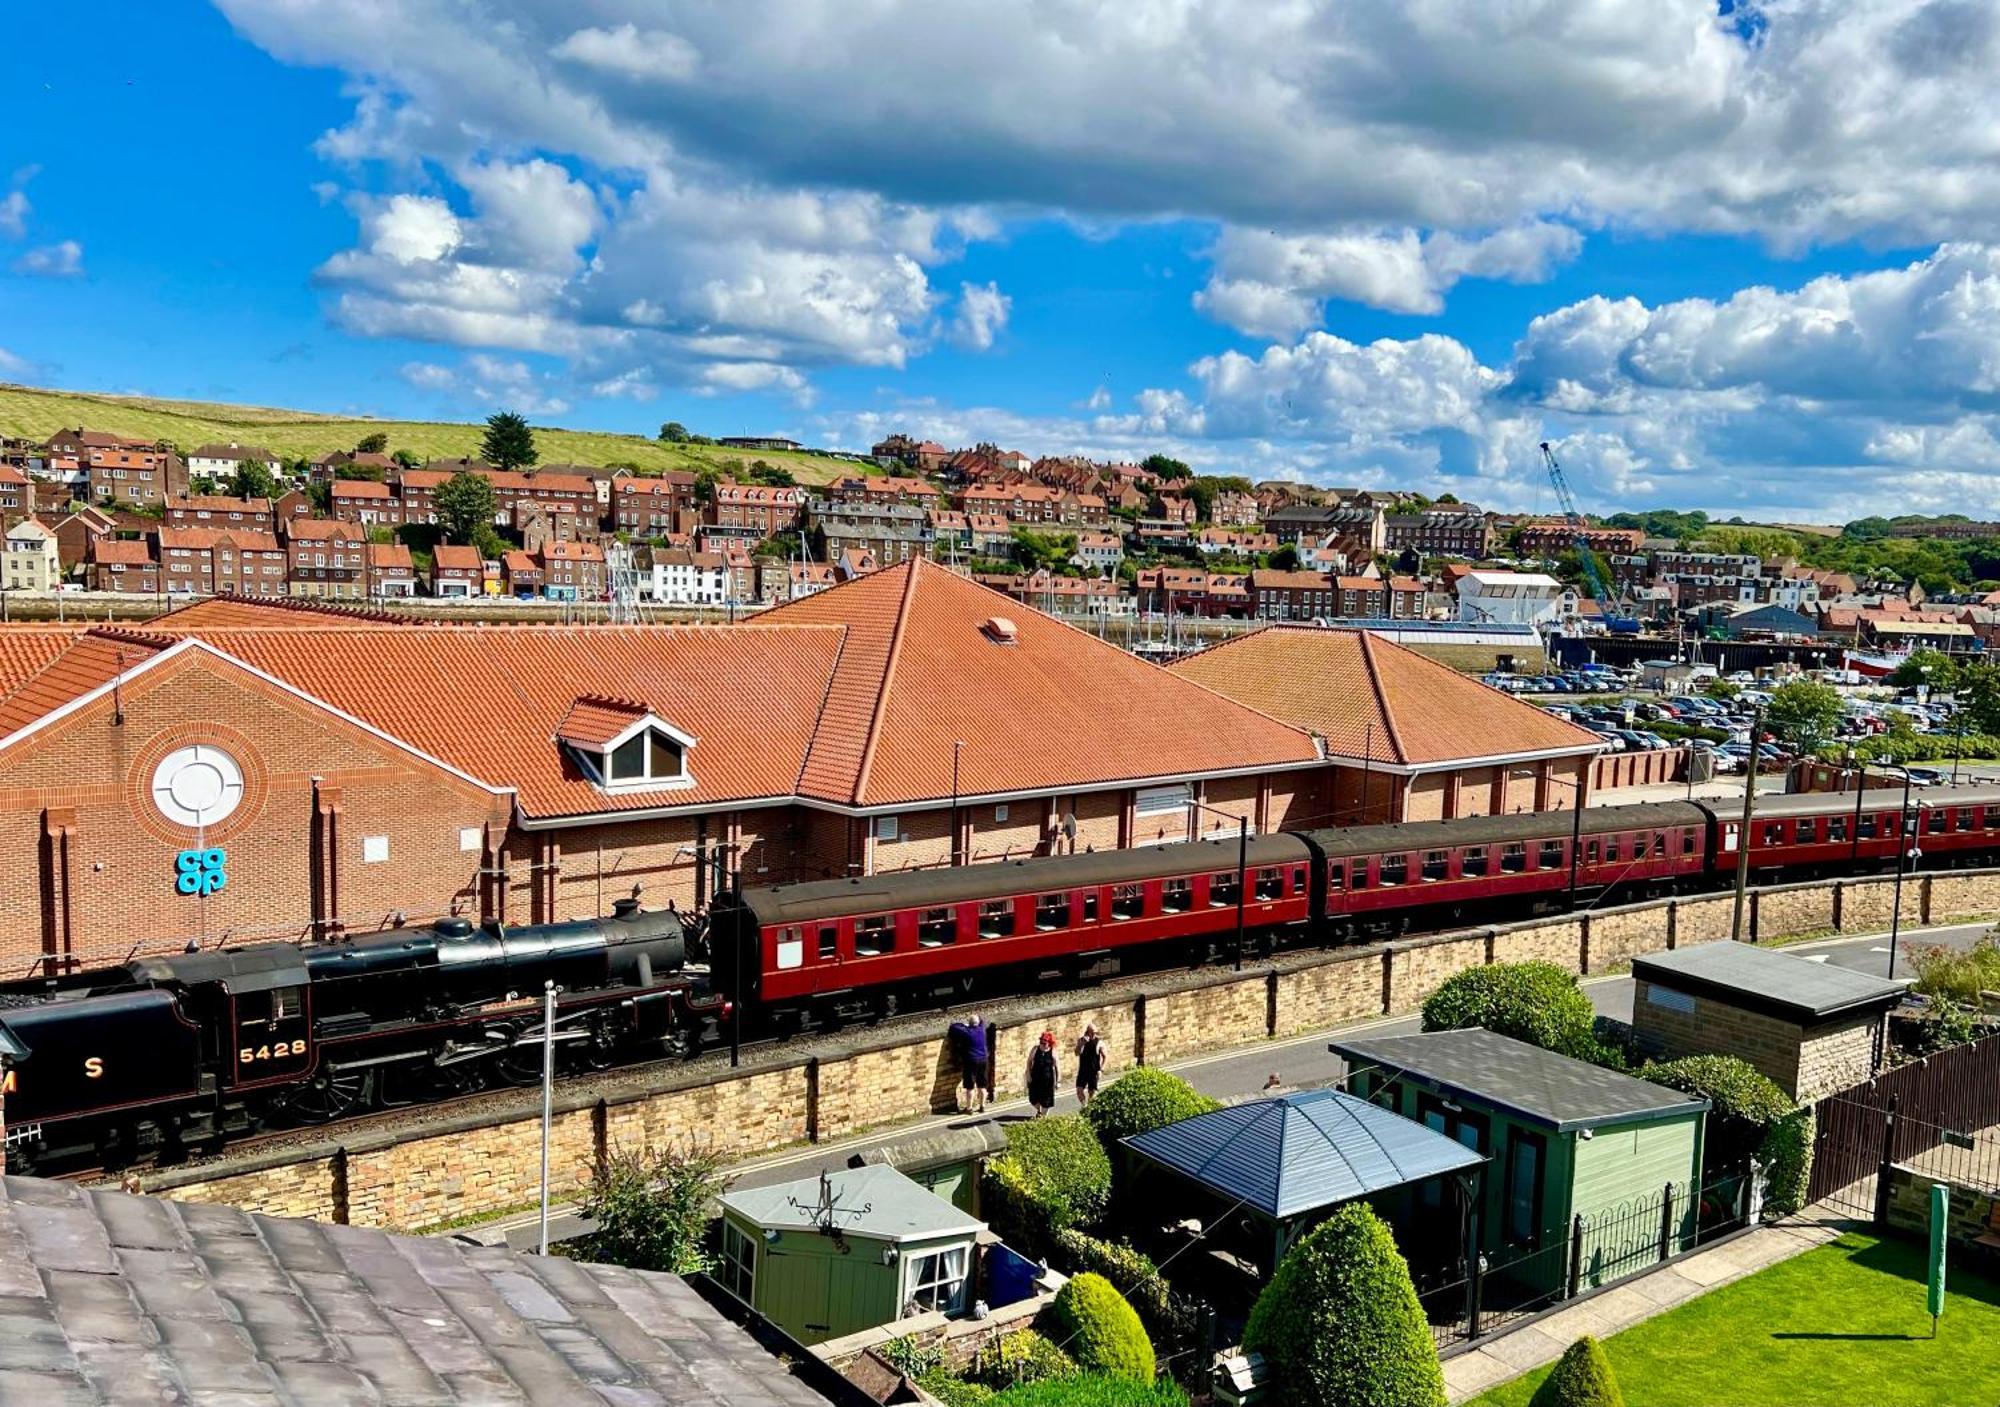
x=1732 y=261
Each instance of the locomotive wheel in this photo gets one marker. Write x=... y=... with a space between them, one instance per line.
x=328 y=1095
x=520 y=1064
x=453 y=1081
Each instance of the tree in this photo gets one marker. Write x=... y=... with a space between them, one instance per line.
x=1750 y=1116
x=1534 y=1001
x=1805 y=713
x=509 y=442
x=1285 y=559
x=674 y=433
x=374 y=443
x=464 y=503
x=1582 y=1378
x=771 y=475
x=1161 y=467
x=319 y=492
x=651 y=1211
x=1050 y=550
x=1054 y=1175
x=1142 y=1099
x=1926 y=667
x=253 y=480
x=407 y=460
x=1339 y=1324
x=1980 y=684
x=1100 y=1330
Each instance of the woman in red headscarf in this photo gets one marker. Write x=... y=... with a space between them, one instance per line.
x=1042 y=1074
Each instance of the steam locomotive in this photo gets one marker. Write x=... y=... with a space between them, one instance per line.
x=166 y=1056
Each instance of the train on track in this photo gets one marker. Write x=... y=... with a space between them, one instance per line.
x=163 y=1057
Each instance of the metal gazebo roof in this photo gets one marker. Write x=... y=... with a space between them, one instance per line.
x=1300 y=1152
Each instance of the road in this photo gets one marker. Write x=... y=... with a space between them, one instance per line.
x=1298 y=1062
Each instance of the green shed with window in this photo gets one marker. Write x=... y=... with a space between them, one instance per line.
x=846 y=1251
x=1564 y=1139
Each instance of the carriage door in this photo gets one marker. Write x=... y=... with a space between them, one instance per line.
x=273 y=1034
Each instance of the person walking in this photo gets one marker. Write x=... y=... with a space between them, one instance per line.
x=1042 y=1074
x=968 y=1039
x=1090 y=1055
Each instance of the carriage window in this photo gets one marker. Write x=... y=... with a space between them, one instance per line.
x=996 y=918
x=1051 y=911
x=1176 y=896
x=1127 y=901
x=1395 y=868
x=874 y=935
x=1806 y=830
x=1836 y=827
x=1359 y=878
x=1437 y=864
x=1090 y=906
x=829 y=944
x=937 y=927
x=1590 y=852
x=1336 y=875
x=1962 y=819
x=1774 y=833
x=1473 y=862
x=1613 y=847
x=1993 y=817
x=1222 y=889
x=1298 y=879
x=1935 y=823
x=1864 y=829
x=1659 y=844
x=1269 y=884
x=1550 y=855
x=1514 y=857
x=1687 y=842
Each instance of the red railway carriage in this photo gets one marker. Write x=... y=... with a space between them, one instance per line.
x=1828 y=831
x=1393 y=875
x=835 y=941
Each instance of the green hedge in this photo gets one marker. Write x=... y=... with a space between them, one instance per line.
x=1054 y=1176
x=1339 y=1324
x=1582 y=1378
x=1536 y=1002
x=1092 y=1390
x=1022 y=1357
x=1096 y=1327
x=1141 y=1100
x=1912 y=747
x=1169 y=1317
x=1751 y=1117
x=954 y=1391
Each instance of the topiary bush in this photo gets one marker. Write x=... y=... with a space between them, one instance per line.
x=1168 y=1317
x=1092 y=1390
x=1339 y=1325
x=1097 y=1328
x=1536 y=1002
x=1053 y=1176
x=1022 y=1357
x=1141 y=1100
x=1750 y=1117
x=1582 y=1378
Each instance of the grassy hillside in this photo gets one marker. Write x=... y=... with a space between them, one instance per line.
x=36 y=414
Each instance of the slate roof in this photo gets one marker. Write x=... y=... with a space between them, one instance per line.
x=876 y=1201
x=1530 y=1083
x=1300 y=1152
x=109 y=1298
x=1782 y=984
x=1369 y=697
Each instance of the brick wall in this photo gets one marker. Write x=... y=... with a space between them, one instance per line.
x=1968 y=1211
x=1807 y=1067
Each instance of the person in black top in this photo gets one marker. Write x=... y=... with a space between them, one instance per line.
x=1089 y=1063
x=1042 y=1074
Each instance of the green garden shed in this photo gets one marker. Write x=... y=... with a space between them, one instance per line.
x=1566 y=1139
x=850 y=1250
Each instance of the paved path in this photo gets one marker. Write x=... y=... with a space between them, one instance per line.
x=1530 y=1346
x=1298 y=1062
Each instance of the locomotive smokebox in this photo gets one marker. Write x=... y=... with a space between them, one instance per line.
x=641 y=948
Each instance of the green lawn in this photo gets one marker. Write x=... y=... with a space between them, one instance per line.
x=36 y=413
x=1840 y=1326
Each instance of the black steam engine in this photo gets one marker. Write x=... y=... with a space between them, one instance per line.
x=166 y=1056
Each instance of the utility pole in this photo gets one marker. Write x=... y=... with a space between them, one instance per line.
x=1743 y=831
x=548 y=1096
x=1906 y=849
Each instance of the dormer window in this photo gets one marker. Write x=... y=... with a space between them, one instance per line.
x=622 y=745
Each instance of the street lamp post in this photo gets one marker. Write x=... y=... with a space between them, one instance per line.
x=1906 y=850
x=1743 y=831
x=1957 y=733
x=1242 y=872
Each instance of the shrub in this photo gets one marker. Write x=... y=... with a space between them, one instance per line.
x=1942 y=1024
x=1092 y=1390
x=1582 y=1378
x=1141 y=1100
x=1958 y=976
x=954 y=1391
x=1167 y=1316
x=651 y=1211
x=1053 y=1176
x=1023 y=1357
x=1339 y=1325
x=1751 y=1117
x=912 y=1358
x=1536 y=1002
x=1100 y=1330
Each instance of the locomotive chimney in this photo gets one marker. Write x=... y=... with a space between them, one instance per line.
x=624 y=908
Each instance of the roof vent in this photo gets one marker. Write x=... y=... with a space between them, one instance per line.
x=1001 y=630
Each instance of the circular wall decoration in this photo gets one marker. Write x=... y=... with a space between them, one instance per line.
x=197 y=786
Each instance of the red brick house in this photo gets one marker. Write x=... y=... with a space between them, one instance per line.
x=328 y=560
x=572 y=571
x=457 y=571
x=122 y=564
x=220 y=511
x=391 y=572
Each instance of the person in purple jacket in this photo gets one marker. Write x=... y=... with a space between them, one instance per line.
x=968 y=1039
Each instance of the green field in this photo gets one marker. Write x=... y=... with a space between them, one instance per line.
x=35 y=414
x=1840 y=1326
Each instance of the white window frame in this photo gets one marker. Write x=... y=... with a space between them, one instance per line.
x=942 y=1275
x=888 y=828
x=1162 y=801
x=597 y=761
x=739 y=1259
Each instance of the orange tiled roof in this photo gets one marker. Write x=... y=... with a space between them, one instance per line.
x=265 y=613
x=918 y=674
x=129 y=551
x=595 y=719
x=361 y=488
x=26 y=650
x=322 y=530
x=1368 y=697
x=457 y=557
x=86 y=661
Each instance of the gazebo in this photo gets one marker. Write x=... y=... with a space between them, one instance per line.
x=1286 y=1162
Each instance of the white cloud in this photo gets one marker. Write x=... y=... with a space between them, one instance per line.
x=63 y=259
x=14 y=214
x=487 y=381
x=12 y=365
x=982 y=315
x=631 y=52
x=750 y=376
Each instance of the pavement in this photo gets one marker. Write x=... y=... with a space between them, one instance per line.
x=1243 y=1072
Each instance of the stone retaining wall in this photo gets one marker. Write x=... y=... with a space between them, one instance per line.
x=467 y=1168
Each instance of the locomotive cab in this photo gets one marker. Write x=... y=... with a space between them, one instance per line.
x=254 y=1006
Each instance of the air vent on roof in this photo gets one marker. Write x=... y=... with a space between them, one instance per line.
x=1000 y=630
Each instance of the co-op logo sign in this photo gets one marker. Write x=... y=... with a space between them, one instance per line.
x=198 y=786
x=200 y=871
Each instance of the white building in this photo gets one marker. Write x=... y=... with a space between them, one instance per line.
x=1098 y=552
x=1510 y=598
x=221 y=461
x=682 y=578
x=32 y=561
